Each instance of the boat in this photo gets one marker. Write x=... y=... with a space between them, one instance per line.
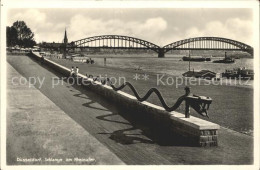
x=239 y=72
x=225 y=60
x=196 y=59
x=206 y=74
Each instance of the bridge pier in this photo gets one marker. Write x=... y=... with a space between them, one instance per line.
x=161 y=53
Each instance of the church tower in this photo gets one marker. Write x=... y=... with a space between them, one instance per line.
x=65 y=42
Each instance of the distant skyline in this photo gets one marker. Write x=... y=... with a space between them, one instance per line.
x=160 y=26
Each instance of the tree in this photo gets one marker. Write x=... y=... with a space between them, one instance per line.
x=25 y=37
x=11 y=36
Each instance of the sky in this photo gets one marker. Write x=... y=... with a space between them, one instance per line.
x=157 y=25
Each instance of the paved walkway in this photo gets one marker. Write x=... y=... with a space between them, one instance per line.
x=115 y=130
x=38 y=129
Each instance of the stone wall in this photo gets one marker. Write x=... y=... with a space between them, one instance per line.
x=193 y=130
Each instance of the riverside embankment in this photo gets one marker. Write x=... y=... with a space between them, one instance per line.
x=124 y=138
x=232 y=105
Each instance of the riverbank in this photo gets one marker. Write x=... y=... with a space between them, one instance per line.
x=232 y=106
x=132 y=142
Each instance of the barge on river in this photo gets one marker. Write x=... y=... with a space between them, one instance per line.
x=196 y=59
x=226 y=60
x=239 y=73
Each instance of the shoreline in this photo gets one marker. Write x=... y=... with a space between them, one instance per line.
x=227 y=100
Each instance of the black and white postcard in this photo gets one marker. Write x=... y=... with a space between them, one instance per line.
x=90 y=83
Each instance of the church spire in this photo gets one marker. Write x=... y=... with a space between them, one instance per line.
x=65 y=40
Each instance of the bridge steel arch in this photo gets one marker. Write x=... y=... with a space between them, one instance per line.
x=115 y=42
x=126 y=42
x=208 y=43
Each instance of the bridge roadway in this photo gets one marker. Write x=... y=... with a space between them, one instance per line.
x=112 y=128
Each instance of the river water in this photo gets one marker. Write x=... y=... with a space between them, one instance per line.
x=171 y=65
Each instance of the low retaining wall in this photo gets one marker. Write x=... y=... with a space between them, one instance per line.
x=196 y=131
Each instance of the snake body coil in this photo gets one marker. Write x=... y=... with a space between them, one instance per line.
x=146 y=96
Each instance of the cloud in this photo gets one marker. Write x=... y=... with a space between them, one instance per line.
x=233 y=28
x=160 y=29
x=82 y=27
x=39 y=23
x=32 y=17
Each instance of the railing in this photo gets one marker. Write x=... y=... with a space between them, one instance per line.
x=199 y=103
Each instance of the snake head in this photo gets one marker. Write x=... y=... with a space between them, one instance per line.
x=200 y=104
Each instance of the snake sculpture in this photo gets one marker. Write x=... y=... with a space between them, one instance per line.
x=199 y=103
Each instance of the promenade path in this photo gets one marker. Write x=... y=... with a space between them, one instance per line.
x=109 y=125
x=38 y=129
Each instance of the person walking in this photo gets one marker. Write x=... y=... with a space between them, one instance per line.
x=72 y=72
x=77 y=71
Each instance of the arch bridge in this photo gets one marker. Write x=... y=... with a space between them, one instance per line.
x=208 y=43
x=126 y=42
x=115 y=42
